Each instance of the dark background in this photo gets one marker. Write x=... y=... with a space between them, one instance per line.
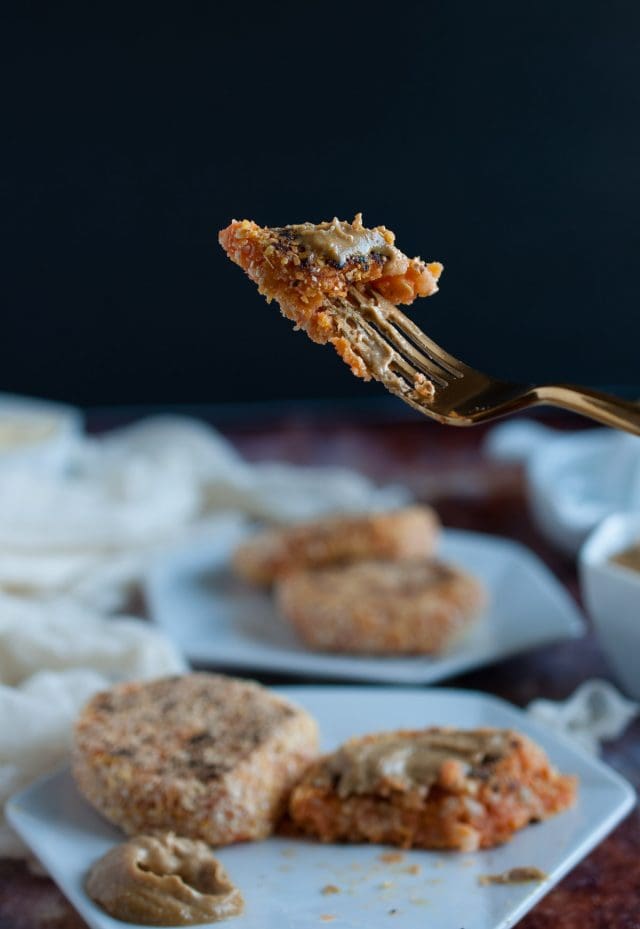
x=501 y=138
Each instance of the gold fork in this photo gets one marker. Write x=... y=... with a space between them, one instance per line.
x=412 y=366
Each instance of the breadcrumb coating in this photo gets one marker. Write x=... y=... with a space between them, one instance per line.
x=411 y=607
x=411 y=532
x=203 y=755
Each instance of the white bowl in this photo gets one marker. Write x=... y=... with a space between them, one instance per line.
x=612 y=595
x=37 y=434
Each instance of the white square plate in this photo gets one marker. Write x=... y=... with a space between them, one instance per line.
x=282 y=880
x=219 y=622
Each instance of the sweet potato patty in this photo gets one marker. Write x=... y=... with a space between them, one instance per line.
x=203 y=755
x=311 y=270
x=432 y=788
x=407 y=607
x=411 y=532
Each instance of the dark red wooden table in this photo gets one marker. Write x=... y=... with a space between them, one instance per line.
x=444 y=466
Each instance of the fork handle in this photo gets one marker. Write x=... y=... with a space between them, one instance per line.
x=611 y=411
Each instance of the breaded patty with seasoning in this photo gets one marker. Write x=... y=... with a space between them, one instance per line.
x=411 y=532
x=203 y=755
x=323 y=275
x=410 y=607
x=432 y=788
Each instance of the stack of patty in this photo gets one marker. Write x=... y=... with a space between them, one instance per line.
x=365 y=584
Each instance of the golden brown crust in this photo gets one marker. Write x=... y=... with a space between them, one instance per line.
x=377 y=607
x=203 y=755
x=468 y=807
x=411 y=532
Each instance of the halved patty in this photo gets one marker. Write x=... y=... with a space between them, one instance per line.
x=320 y=273
x=203 y=755
x=431 y=788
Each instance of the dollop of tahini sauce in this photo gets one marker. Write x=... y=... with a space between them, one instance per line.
x=339 y=241
x=629 y=558
x=163 y=881
x=412 y=759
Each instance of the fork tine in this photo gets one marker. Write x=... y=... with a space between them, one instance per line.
x=398 y=365
x=374 y=314
x=423 y=363
x=402 y=366
x=450 y=364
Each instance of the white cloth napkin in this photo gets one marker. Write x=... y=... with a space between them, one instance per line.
x=609 y=481
x=574 y=480
x=53 y=656
x=59 y=634
x=35 y=735
x=595 y=713
x=90 y=531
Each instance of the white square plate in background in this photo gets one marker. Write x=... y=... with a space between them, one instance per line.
x=219 y=622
